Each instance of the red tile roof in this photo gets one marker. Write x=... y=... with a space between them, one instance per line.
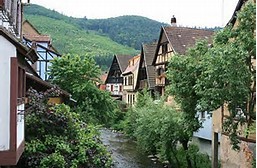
x=182 y=38
x=38 y=38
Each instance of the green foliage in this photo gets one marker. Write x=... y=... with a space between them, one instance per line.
x=69 y=38
x=221 y=83
x=57 y=138
x=130 y=31
x=126 y=30
x=78 y=75
x=207 y=78
x=183 y=71
x=159 y=129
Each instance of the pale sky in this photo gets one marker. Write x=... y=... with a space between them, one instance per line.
x=199 y=13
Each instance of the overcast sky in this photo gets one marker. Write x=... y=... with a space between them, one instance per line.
x=199 y=13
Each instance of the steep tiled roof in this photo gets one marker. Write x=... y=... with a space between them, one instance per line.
x=123 y=61
x=150 y=70
x=149 y=51
x=134 y=67
x=182 y=38
x=38 y=38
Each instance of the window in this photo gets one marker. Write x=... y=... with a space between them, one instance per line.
x=111 y=88
x=125 y=81
x=21 y=84
x=203 y=115
x=130 y=80
x=160 y=71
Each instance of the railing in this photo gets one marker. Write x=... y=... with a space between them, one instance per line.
x=128 y=87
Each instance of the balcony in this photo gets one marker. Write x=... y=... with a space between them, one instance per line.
x=128 y=87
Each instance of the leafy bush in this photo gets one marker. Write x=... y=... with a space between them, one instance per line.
x=57 y=138
x=161 y=130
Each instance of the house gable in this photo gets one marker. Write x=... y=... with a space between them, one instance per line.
x=114 y=72
x=28 y=28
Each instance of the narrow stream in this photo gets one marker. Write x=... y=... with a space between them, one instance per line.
x=125 y=153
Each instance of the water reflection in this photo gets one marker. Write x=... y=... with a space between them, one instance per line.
x=124 y=151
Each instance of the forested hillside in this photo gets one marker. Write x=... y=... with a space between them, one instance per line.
x=70 y=39
x=127 y=30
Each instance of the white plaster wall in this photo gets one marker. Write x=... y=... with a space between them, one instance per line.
x=7 y=50
x=206 y=131
x=116 y=88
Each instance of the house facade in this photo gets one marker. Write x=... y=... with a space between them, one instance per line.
x=43 y=45
x=130 y=76
x=13 y=63
x=176 y=40
x=17 y=75
x=114 y=80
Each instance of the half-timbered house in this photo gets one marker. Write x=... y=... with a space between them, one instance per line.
x=114 y=81
x=43 y=45
x=130 y=76
x=174 y=40
x=13 y=62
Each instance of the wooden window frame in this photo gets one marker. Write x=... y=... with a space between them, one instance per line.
x=21 y=85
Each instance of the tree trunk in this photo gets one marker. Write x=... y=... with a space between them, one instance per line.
x=185 y=147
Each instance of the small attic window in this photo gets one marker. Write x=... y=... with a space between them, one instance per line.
x=179 y=35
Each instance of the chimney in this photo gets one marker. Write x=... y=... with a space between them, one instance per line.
x=173 y=21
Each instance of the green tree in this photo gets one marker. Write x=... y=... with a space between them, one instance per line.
x=78 y=75
x=228 y=76
x=183 y=73
x=160 y=129
x=57 y=138
x=206 y=78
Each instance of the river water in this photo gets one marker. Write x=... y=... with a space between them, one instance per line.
x=125 y=153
